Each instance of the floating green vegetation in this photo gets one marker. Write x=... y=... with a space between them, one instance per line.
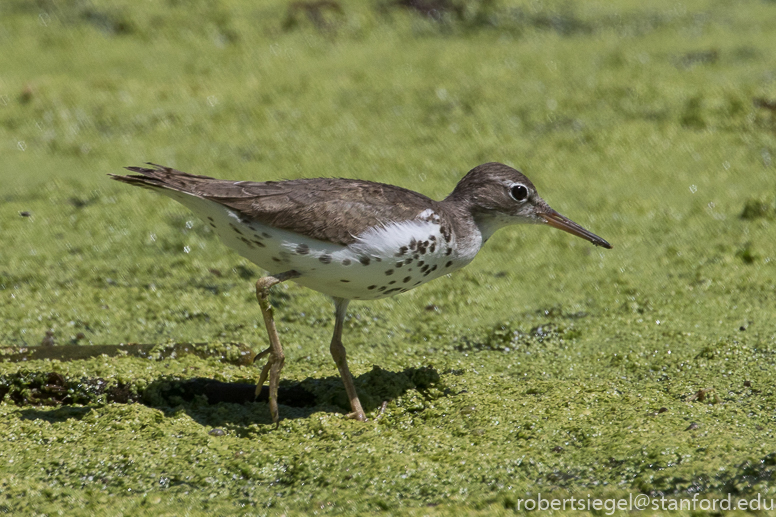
x=546 y=366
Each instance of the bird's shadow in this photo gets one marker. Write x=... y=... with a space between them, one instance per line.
x=234 y=406
x=198 y=396
x=54 y=415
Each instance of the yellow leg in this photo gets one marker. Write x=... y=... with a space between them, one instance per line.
x=275 y=351
x=339 y=355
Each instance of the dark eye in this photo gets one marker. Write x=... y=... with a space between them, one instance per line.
x=519 y=192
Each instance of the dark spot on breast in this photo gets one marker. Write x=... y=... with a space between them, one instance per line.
x=389 y=272
x=407 y=279
x=392 y=282
x=408 y=261
x=433 y=269
x=399 y=264
x=276 y=259
x=449 y=263
x=419 y=282
x=346 y=281
x=381 y=288
x=371 y=287
x=416 y=256
x=413 y=244
x=210 y=219
x=432 y=238
x=424 y=268
x=449 y=251
x=378 y=259
x=235 y=228
x=303 y=249
x=213 y=225
x=402 y=251
x=421 y=262
x=345 y=262
x=403 y=290
x=257 y=236
x=259 y=244
x=432 y=247
x=326 y=259
x=266 y=235
x=364 y=260
x=389 y=291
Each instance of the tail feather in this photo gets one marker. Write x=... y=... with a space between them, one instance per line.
x=161 y=177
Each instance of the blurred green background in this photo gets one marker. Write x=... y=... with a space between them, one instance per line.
x=563 y=369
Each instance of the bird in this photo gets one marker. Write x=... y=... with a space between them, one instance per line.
x=352 y=239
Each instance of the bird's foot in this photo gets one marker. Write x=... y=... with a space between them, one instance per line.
x=357 y=415
x=272 y=370
x=355 y=405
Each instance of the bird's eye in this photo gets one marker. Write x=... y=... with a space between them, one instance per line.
x=519 y=192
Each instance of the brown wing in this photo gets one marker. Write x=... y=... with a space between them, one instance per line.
x=328 y=209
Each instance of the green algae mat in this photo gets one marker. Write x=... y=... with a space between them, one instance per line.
x=546 y=370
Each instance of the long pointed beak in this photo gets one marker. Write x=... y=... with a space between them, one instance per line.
x=556 y=220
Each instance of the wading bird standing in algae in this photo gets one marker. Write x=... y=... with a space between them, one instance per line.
x=352 y=239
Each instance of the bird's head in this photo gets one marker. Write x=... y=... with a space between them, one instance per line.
x=498 y=195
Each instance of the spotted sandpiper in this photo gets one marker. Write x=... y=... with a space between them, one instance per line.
x=352 y=239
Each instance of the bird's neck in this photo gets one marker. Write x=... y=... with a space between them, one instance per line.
x=470 y=231
x=481 y=224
